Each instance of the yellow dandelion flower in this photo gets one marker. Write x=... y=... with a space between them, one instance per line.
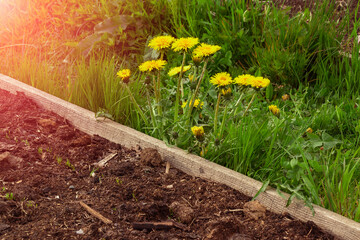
x=151 y=65
x=177 y=70
x=309 y=130
x=184 y=44
x=198 y=131
x=259 y=82
x=243 y=80
x=161 y=42
x=197 y=104
x=274 y=109
x=221 y=79
x=124 y=74
x=205 y=50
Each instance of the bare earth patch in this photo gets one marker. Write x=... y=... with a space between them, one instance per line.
x=51 y=188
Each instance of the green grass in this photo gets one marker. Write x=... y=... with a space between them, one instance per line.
x=300 y=55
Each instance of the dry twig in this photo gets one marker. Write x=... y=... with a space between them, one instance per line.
x=167 y=169
x=157 y=225
x=103 y=161
x=95 y=213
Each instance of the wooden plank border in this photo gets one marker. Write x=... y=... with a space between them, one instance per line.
x=84 y=120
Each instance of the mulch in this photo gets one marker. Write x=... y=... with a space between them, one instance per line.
x=51 y=188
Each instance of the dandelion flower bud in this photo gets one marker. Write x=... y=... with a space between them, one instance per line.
x=285 y=97
x=275 y=110
x=196 y=59
x=198 y=132
x=226 y=93
x=309 y=130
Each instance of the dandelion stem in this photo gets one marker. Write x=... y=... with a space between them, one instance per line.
x=251 y=101
x=202 y=153
x=192 y=100
x=158 y=87
x=190 y=95
x=236 y=104
x=223 y=122
x=157 y=92
x=155 y=88
x=150 y=109
x=177 y=100
x=182 y=89
x=216 y=113
x=136 y=105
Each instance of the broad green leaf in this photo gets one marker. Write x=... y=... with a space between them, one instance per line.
x=86 y=45
x=315 y=140
x=110 y=25
x=213 y=93
x=101 y=31
x=329 y=141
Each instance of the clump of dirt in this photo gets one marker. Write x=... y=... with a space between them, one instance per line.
x=151 y=157
x=51 y=187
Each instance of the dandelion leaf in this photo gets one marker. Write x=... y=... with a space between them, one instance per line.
x=315 y=140
x=150 y=53
x=111 y=25
x=329 y=141
x=103 y=32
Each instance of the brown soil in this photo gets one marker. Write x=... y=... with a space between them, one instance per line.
x=295 y=6
x=45 y=177
x=341 y=7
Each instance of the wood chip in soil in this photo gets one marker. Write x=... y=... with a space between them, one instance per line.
x=51 y=188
